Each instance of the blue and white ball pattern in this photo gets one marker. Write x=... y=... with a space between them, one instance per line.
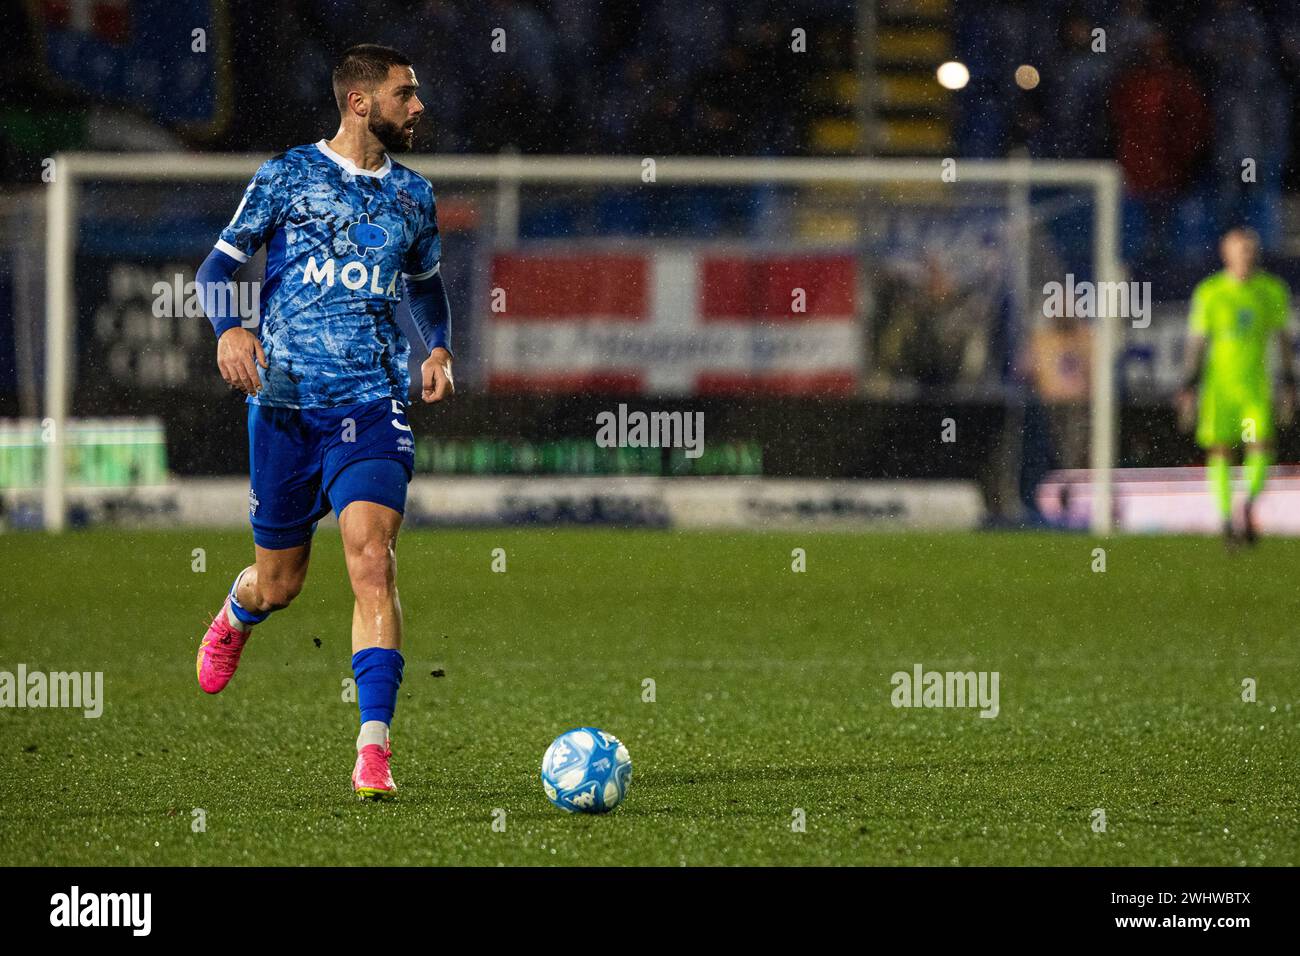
x=586 y=771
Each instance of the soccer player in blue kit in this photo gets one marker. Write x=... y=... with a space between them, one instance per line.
x=346 y=229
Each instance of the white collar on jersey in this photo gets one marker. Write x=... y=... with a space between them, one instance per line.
x=352 y=167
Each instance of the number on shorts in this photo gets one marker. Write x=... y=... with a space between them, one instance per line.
x=397 y=422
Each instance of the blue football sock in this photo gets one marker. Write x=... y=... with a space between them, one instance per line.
x=378 y=672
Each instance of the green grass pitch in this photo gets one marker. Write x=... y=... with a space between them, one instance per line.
x=1119 y=691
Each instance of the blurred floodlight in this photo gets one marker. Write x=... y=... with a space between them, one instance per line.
x=953 y=75
x=1026 y=77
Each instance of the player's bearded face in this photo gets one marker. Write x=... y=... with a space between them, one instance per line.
x=396 y=135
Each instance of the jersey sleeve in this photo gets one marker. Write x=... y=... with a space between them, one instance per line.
x=1198 y=322
x=1282 y=305
x=257 y=216
x=425 y=254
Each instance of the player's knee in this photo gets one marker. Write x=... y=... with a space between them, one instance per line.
x=372 y=567
x=279 y=591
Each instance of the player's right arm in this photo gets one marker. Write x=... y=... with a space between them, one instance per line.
x=239 y=351
x=1194 y=366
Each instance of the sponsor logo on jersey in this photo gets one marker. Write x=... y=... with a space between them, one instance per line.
x=353 y=275
x=366 y=235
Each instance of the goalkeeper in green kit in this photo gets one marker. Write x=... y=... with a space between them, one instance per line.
x=1234 y=316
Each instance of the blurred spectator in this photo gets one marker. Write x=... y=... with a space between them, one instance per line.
x=685 y=37
x=718 y=77
x=723 y=104
x=1182 y=154
x=1058 y=366
x=932 y=329
x=515 y=90
x=1078 y=93
x=1127 y=35
x=1251 y=121
x=1160 y=122
x=575 y=75
x=1161 y=126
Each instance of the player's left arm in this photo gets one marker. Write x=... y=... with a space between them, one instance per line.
x=1286 y=360
x=430 y=308
x=431 y=313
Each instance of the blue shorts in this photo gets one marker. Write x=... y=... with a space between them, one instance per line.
x=305 y=461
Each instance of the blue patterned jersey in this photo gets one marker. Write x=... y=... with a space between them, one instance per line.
x=339 y=240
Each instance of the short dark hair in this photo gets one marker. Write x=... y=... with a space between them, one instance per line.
x=365 y=65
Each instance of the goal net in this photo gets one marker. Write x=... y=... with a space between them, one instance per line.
x=837 y=319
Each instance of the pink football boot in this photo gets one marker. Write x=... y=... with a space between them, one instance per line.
x=219 y=652
x=371 y=777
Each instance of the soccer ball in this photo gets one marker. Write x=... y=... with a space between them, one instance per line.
x=586 y=771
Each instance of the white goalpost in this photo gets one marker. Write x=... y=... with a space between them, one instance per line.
x=508 y=173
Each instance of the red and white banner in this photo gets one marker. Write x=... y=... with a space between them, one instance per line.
x=674 y=322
